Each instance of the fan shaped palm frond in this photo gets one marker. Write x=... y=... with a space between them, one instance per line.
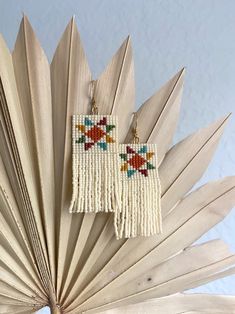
x=73 y=263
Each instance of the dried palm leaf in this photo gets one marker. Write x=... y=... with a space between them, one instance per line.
x=181 y=303
x=73 y=263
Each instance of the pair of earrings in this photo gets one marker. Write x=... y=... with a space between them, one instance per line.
x=113 y=177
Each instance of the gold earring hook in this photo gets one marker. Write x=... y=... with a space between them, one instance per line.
x=94 y=108
x=136 y=138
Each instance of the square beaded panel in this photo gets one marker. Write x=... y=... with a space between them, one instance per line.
x=95 y=133
x=138 y=161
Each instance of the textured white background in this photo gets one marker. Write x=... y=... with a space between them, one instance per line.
x=166 y=35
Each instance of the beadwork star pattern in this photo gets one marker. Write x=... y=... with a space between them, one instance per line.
x=95 y=133
x=137 y=161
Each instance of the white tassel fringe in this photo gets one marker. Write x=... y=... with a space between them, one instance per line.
x=96 y=185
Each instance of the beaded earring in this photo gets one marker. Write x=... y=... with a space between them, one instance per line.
x=96 y=176
x=140 y=211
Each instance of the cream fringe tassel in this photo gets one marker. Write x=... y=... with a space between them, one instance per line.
x=96 y=183
x=140 y=213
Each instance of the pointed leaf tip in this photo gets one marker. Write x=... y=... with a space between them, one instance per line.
x=72 y=20
x=126 y=43
x=25 y=20
x=25 y=25
x=128 y=40
x=71 y=26
x=181 y=72
x=223 y=120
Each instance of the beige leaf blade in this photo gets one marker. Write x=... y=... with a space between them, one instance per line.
x=14 y=252
x=187 y=261
x=181 y=303
x=230 y=271
x=100 y=248
x=180 y=283
x=9 y=291
x=8 y=171
x=208 y=204
x=11 y=301
x=185 y=163
x=11 y=261
x=4 y=309
x=87 y=224
x=33 y=81
x=104 y=250
x=20 y=173
x=12 y=229
x=157 y=117
x=11 y=278
x=115 y=91
x=70 y=79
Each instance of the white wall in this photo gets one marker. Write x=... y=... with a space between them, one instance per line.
x=166 y=35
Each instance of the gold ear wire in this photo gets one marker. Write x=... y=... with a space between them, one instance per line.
x=94 y=108
x=136 y=138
